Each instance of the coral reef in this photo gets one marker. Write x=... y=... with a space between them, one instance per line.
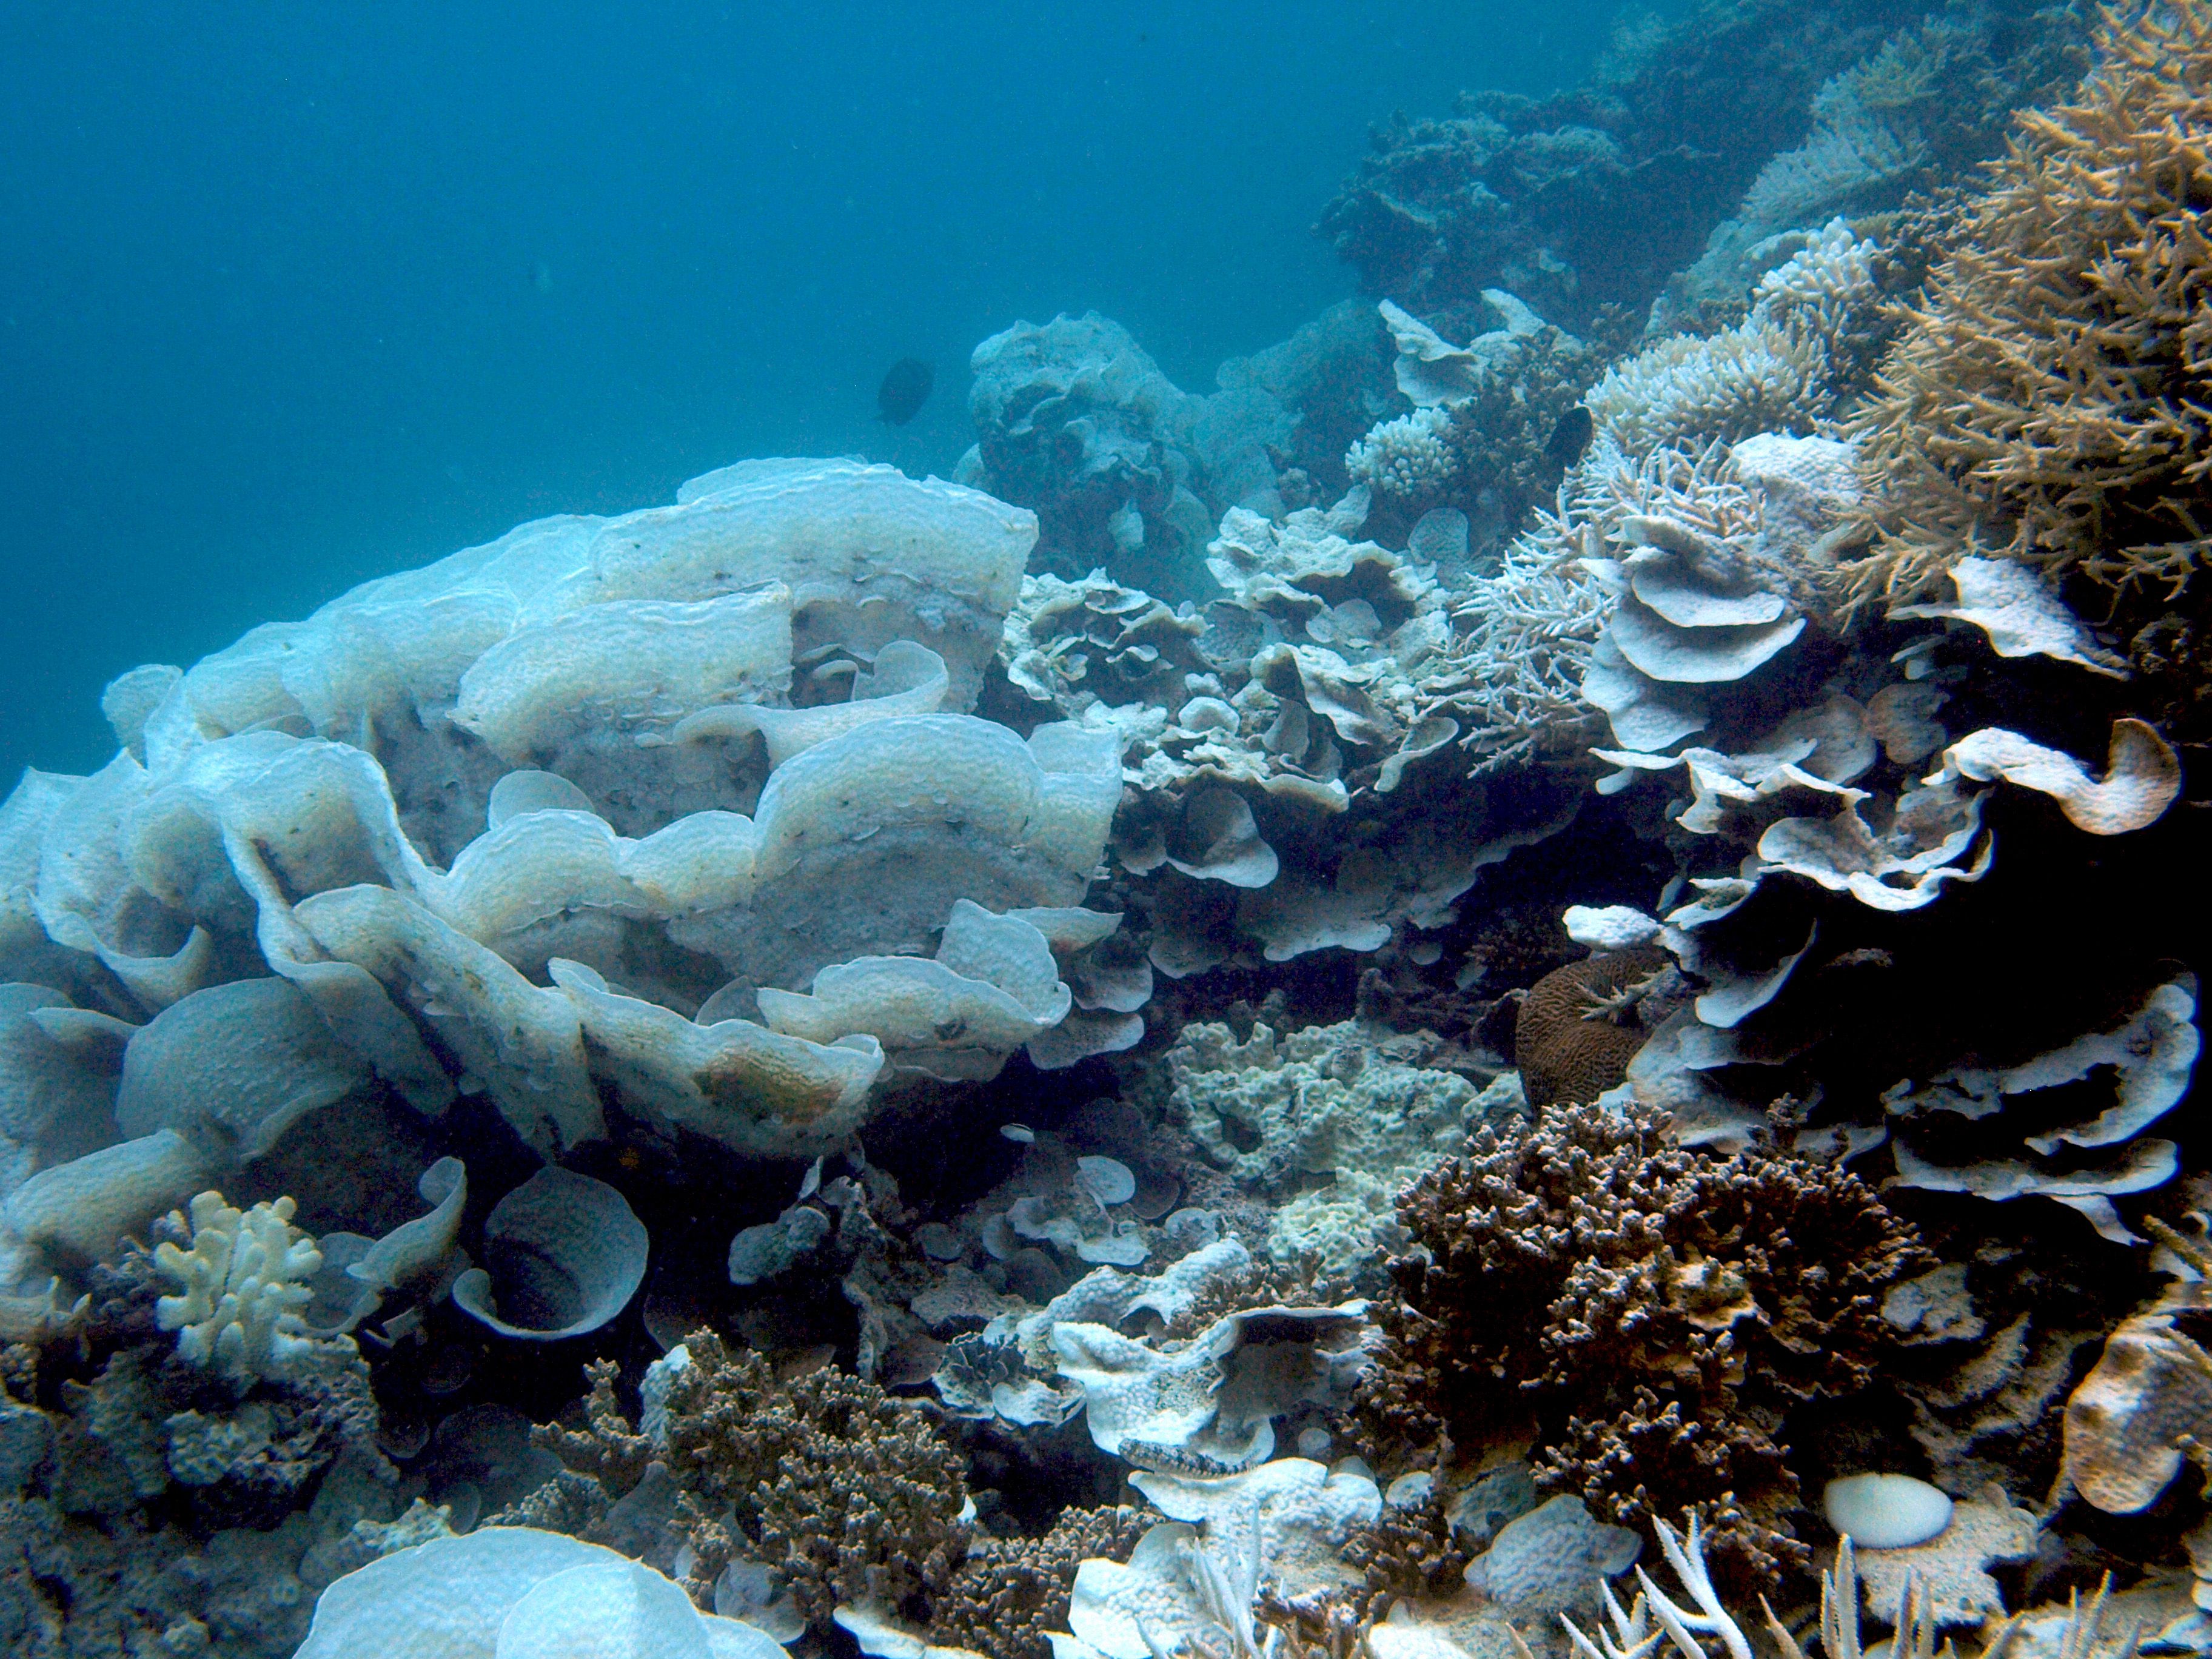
x=1127 y=472
x=1325 y=1121
x=1594 y=195
x=1289 y=1023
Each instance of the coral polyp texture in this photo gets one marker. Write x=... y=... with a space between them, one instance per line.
x=1553 y=934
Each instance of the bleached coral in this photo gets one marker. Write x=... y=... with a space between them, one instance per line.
x=1518 y=666
x=241 y=1289
x=574 y=756
x=1864 y=136
x=1515 y=669
x=1777 y=371
x=1741 y=381
x=1408 y=456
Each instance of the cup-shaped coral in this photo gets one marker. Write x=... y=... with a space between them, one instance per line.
x=566 y=1253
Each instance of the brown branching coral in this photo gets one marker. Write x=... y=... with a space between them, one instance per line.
x=1655 y=1311
x=1009 y=1592
x=1407 y=1553
x=2051 y=398
x=607 y=1450
x=849 y=1494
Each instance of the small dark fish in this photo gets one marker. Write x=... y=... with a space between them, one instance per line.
x=905 y=391
x=1571 y=437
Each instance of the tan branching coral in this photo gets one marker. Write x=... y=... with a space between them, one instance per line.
x=1655 y=1309
x=2048 y=398
x=848 y=1494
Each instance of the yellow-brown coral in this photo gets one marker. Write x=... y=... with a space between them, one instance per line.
x=2050 y=399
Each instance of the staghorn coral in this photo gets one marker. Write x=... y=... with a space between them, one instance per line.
x=850 y=1495
x=1010 y=1592
x=1655 y=1310
x=2047 y=397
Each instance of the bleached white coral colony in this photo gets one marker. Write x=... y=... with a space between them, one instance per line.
x=1408 y=456
x=563 y=720
x=1779 y=370
x=240 y=1288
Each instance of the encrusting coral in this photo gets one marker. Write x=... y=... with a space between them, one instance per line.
x=2046 y=397
x=1654 y=1311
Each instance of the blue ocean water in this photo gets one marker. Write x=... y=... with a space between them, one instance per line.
x=291 y=295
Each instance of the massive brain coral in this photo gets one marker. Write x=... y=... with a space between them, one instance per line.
x=597 y=815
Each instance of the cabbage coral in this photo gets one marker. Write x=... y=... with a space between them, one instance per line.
x=2051 y=398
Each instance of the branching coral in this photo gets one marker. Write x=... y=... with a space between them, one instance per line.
x=2048 y=398
x=1656 y=1310
x=1781 y=369
x=1010 y=1592
x=1516 y=669
x=1487 y=428
x=1405 y=457
x=241 y=1288
x=847 y=1494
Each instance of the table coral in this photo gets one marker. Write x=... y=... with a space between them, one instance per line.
x=1656 y=1310
x=2046 y=397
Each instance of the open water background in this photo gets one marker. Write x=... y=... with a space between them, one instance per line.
x=294 y=295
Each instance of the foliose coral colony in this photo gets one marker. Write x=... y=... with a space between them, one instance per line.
x=1554 y=935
